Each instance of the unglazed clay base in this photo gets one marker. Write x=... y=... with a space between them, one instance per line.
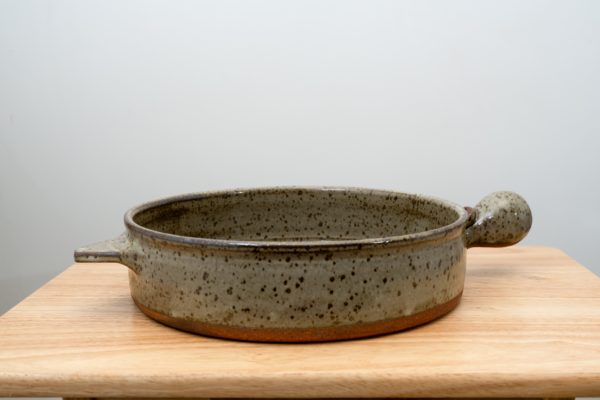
x=305 y=334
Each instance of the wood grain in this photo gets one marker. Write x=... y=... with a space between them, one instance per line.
x=528 y=326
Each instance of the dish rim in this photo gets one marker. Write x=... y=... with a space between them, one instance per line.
x=294 y=245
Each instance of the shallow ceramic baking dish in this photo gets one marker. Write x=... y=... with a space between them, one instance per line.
x=304 y=264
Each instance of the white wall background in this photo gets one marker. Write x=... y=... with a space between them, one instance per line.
x=104 y=105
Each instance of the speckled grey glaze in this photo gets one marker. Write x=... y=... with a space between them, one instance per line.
x=303 y=258
x=501 y=219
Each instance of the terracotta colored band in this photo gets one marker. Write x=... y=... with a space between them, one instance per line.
x=288 y=335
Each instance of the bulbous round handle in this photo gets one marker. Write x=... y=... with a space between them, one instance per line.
x=500 y=219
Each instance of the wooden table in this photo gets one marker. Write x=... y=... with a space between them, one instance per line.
x=528 y=326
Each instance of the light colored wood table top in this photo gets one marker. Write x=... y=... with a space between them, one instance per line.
x=528 y=326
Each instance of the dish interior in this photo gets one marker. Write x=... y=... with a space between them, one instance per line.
x=297 y=215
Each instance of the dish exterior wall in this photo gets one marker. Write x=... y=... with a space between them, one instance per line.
x=294 y=289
